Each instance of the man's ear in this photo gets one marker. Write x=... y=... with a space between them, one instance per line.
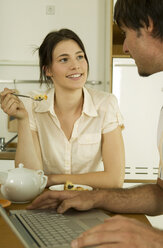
x=151 y=26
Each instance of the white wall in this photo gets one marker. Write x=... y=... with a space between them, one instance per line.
x=24 y=24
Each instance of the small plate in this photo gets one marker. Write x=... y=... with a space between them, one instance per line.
x=60 y=187
x=5 y=203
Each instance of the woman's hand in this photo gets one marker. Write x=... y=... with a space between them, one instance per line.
x=11 y=104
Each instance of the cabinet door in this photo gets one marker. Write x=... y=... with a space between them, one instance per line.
x=6 y=165
x=140 y=101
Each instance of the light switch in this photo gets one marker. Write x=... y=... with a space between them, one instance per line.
x=50 y=10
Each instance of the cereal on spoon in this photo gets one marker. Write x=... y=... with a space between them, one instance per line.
x=40 y=97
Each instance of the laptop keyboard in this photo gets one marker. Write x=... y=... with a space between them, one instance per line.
x=50 y=229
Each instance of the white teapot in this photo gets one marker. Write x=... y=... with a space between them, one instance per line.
x=22 y=185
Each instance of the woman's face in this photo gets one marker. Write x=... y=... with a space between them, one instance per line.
x=69 y=67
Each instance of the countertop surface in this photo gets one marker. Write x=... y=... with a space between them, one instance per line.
x=8 y=155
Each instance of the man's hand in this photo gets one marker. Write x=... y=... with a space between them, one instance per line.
x=120 y=232
x=64 y=200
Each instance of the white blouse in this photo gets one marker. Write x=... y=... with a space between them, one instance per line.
x=82 y=153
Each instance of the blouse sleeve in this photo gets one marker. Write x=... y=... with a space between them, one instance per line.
x=113 y=117
x=29 y=106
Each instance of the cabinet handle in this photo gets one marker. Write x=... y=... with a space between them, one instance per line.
x=15 y=81
x=6 y=81
x=123 y=65
x=94 y=82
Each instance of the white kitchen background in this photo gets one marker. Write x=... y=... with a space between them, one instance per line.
x=140 y=100
x=24 y=24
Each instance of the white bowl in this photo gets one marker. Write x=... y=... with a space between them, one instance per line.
x=60 y=187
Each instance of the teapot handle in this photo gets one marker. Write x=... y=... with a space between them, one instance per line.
x=44 y=180
x=40 y=172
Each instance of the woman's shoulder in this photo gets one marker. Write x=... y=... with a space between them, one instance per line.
x=101 y=97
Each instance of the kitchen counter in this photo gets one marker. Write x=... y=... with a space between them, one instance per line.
x=8 y=155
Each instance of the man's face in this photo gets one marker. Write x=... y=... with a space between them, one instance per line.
x=137 y=44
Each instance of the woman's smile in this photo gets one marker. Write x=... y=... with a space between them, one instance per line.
x=75 y=76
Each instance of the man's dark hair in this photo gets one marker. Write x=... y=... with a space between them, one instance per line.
x=135 y=13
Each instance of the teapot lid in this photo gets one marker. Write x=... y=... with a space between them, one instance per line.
x=21 y=165
x=21 y=169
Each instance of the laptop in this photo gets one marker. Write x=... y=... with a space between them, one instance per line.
x=47 y=228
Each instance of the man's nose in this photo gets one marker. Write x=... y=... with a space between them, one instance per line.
x=125 y=48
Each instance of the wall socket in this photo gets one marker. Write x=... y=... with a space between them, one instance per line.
x=50 y=10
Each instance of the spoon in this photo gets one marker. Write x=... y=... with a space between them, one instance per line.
x=35 y=99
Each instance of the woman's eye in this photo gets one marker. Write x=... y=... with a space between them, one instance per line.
x=63 y=60
x=80 y=57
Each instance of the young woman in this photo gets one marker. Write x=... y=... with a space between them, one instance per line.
x=71 y=133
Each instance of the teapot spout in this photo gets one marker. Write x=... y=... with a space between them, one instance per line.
x=3 y=177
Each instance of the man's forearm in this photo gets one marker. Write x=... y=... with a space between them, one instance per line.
x=146 y=199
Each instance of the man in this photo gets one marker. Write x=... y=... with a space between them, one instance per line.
x=142 y=23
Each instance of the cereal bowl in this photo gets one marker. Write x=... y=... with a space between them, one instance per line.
x=77 y=187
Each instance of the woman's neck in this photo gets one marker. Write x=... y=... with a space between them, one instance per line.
x=69 y=102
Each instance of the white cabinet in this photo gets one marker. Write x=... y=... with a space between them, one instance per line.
x=140 y=100
x=6 y=164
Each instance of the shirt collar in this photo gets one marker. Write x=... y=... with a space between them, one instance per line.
x=48 y=105
x=89 y=106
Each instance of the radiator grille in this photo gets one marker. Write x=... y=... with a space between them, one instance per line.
x=141 y=172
